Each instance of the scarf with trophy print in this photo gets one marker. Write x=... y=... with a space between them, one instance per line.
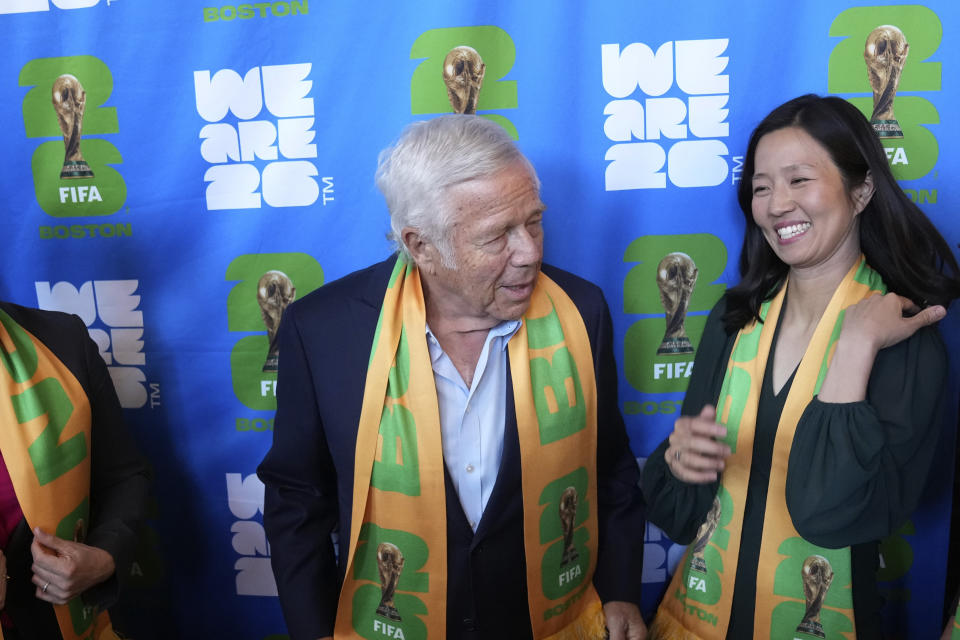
x=396 y=572
x=45 y=441
x=803 y=591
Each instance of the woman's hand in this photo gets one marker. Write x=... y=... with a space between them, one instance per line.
x=694 y=454
x=879 y=321
x=63 y=569
x=872 y=324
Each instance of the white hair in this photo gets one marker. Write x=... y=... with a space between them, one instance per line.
x=431 y=156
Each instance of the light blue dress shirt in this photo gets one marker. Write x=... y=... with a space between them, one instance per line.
x=472 y=419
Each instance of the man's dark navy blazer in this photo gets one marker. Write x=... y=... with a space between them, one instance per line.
x=325 y=340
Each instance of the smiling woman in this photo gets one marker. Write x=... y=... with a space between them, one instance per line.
x=894 y=234
x=827 y=378
x=800 y=203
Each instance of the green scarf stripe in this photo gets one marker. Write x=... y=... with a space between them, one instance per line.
x=546 y=331
x=869 y=278
x=397 y=270
x=736 y=383
x=748 y=342
x=21 y=363
x=834 y=336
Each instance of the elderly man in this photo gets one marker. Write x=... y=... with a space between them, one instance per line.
x=452 y=414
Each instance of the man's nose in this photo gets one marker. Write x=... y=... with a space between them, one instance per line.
x=526 y=248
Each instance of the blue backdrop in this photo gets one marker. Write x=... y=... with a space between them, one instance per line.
x=230 y=140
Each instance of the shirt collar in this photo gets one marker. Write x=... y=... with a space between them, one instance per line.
x=506 y=329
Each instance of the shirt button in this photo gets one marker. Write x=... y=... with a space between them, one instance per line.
x=469 y=468
x=467 y=409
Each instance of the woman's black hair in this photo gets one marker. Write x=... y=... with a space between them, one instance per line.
x=898 y=240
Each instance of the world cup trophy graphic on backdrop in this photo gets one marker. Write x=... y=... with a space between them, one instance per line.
x=817 y=574
x=568 y=519
x=676 y=277
x=885 y=53
x=463 y=70
x=69 y=101
x=274 y=292
x=697 y=562
x=390 y=564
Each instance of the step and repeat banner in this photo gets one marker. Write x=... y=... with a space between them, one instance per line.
x=175 y=173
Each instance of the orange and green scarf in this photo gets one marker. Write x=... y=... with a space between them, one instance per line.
x=45 y=441
x=803 y=591
x=396 y=573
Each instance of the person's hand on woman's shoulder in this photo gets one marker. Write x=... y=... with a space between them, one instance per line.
x=882 y=321
x=872 y=324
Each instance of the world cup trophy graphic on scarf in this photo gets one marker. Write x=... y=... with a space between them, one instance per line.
x=463 y=70
x=697 y=562
x=568 y=519
x=79 y=531
x=885 y=54
x=69 y=101
x=274 y=292
x=676 y=277
x=390 y=564
x=817 y=575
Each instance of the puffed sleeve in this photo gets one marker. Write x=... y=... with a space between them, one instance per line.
x=857 y=469
x=679 y=507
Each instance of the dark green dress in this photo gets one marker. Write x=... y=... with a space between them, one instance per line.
x=855 y=473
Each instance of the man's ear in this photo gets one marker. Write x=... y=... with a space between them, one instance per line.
x=862 y=193
x=420 y=249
